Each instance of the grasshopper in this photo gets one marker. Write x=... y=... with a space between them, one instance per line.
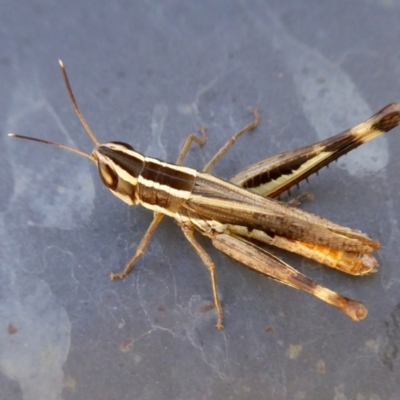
x=238 y=214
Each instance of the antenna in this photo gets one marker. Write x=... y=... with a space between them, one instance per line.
x=61 y=146
x=75 y=104
x=82 y=119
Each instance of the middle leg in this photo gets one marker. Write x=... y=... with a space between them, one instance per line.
x=208 y=262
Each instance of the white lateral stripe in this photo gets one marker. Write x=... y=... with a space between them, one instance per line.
x=181 y=194
x=180 y=168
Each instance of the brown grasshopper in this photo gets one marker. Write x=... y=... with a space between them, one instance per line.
x=238 y=213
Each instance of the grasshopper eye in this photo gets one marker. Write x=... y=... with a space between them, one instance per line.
x=108 y=175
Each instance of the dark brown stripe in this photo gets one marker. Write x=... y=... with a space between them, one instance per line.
x=388 y=118
x=287 y=169
x=127 y=145
x=129 y=163
x=168 y=176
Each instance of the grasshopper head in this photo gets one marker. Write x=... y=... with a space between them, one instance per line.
x=118 y=163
